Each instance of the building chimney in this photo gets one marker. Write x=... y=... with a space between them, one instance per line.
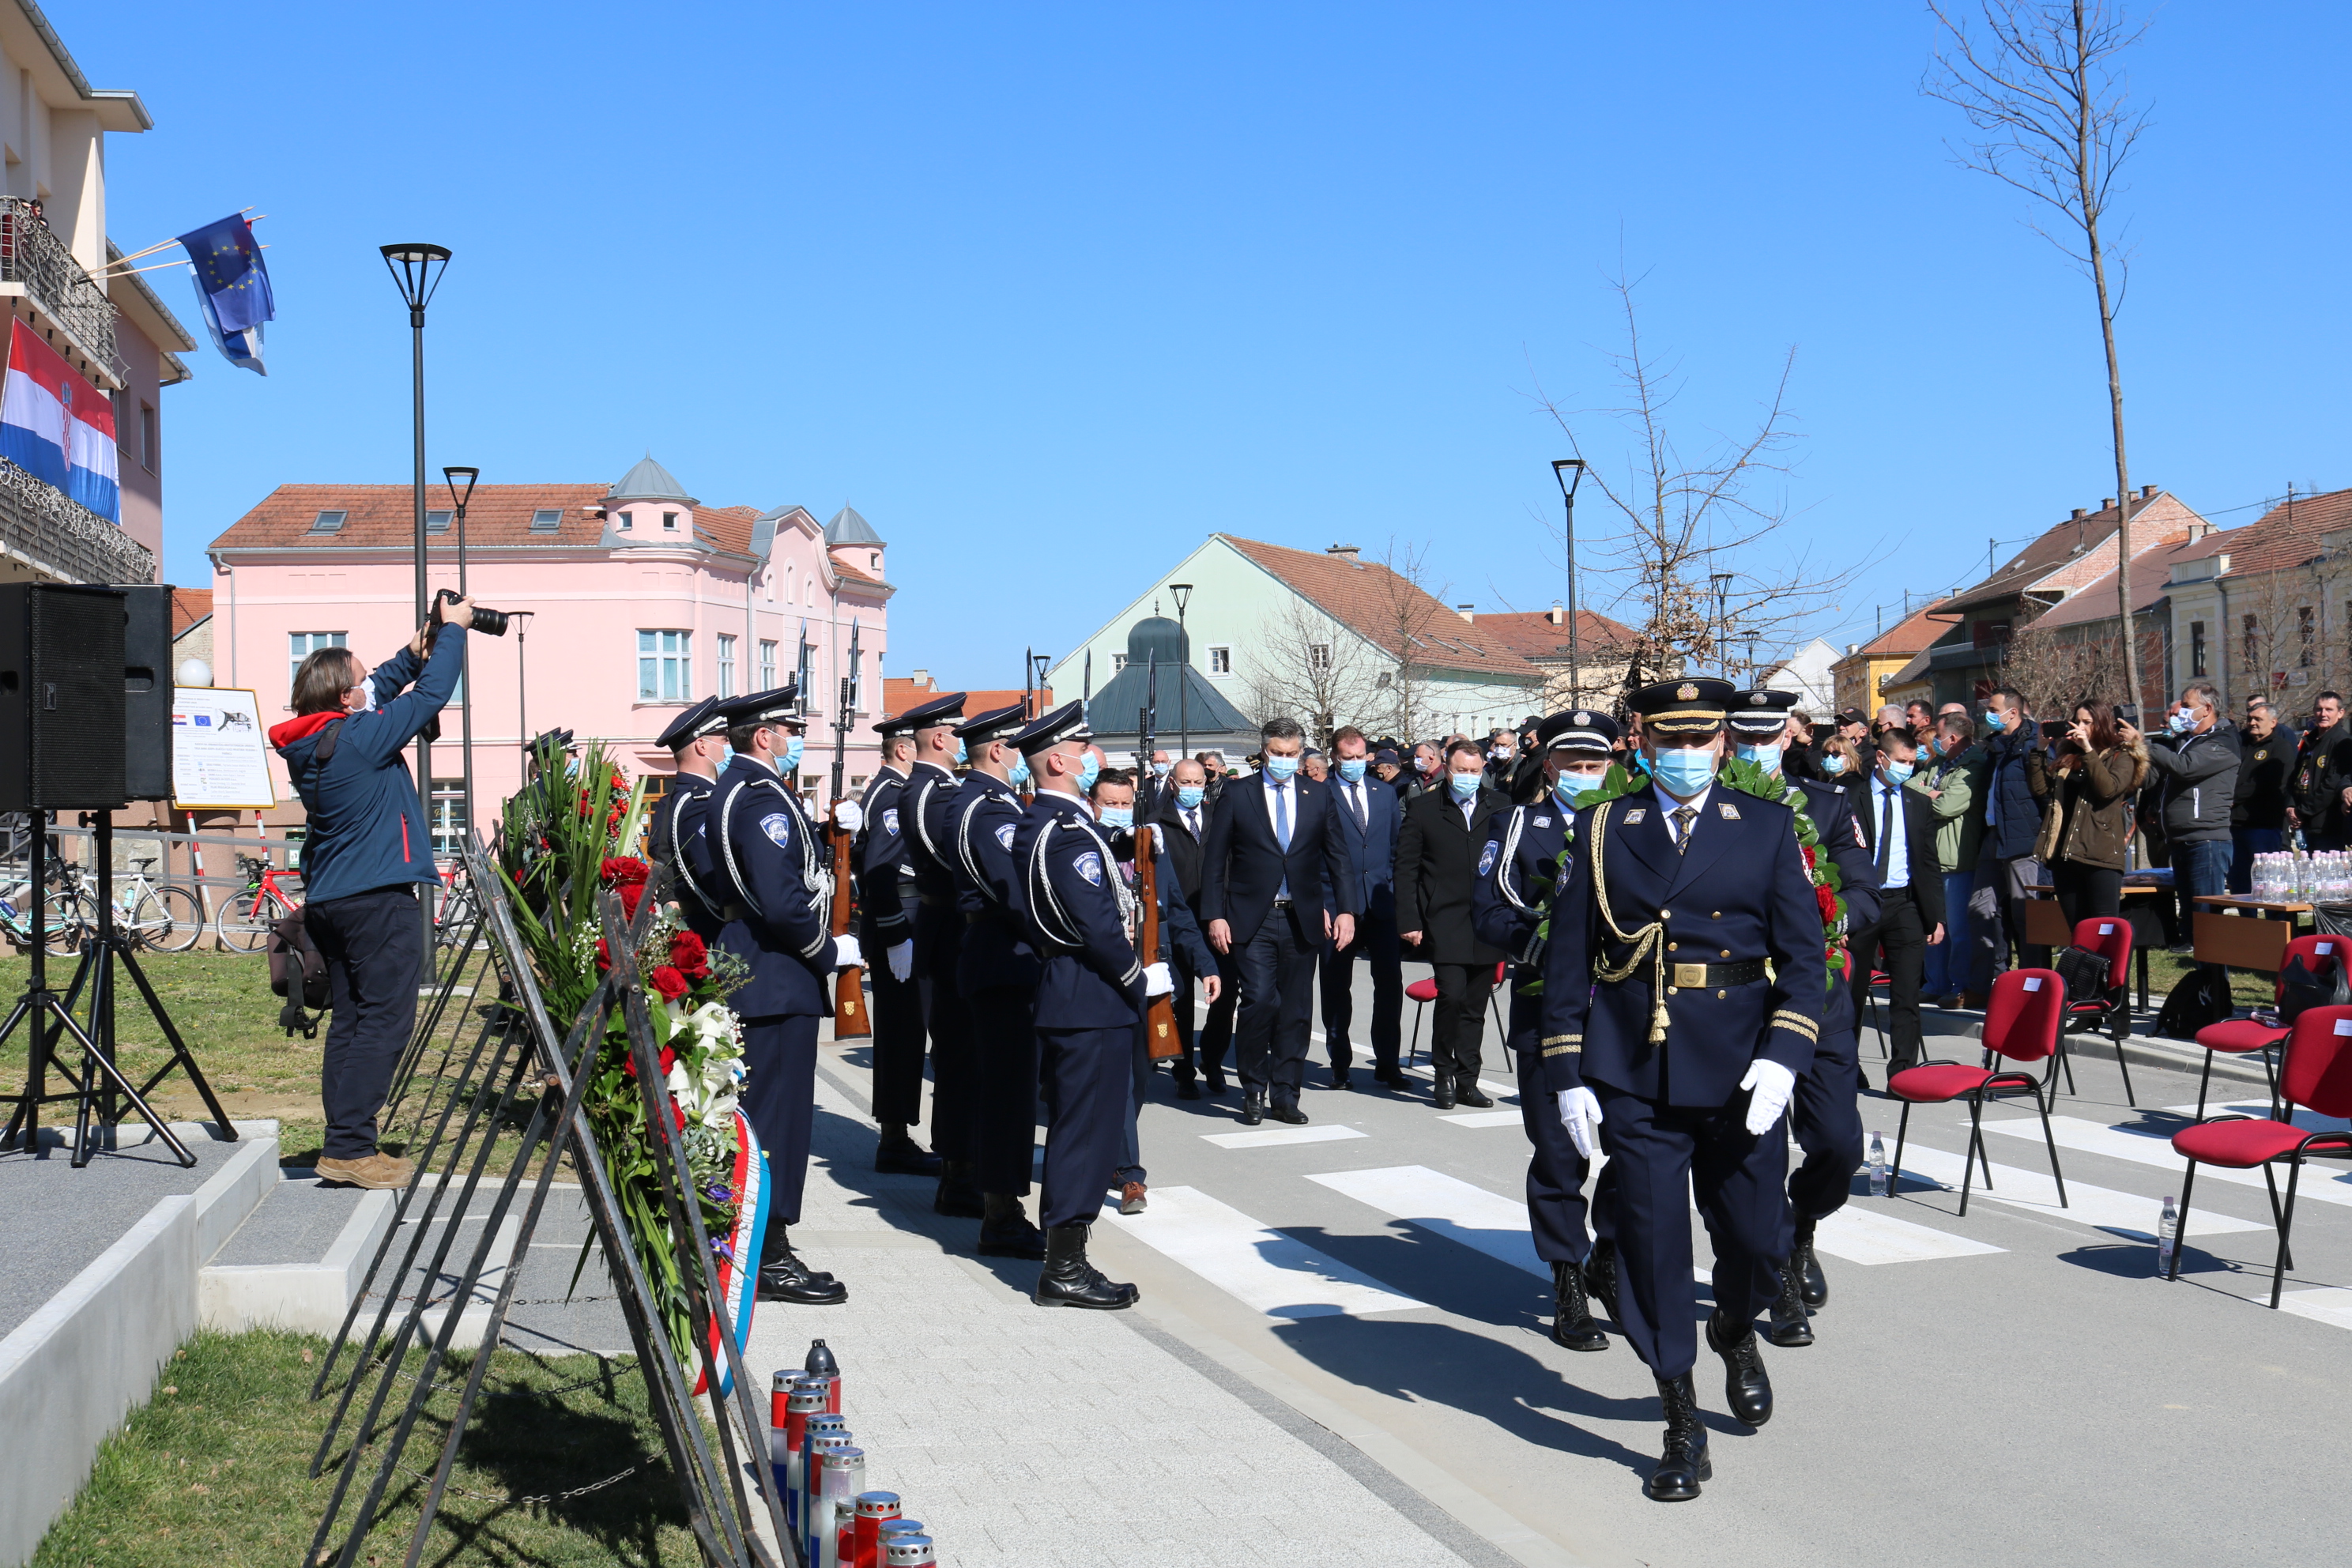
x=2147 y=491
x=922 y=680
x=1852 y=649
x=1557 y=616
x=1345 y=550
x=2079 y=515
x=2106 y=503
x=1467 y=612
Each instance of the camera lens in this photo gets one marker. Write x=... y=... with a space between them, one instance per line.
x=489 y=623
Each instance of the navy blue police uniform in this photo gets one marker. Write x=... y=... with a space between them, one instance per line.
x=1186 y=950
x=683 y=807
x=996 y=974
x=1826 y=1113
x=926 y=818
x=1519 y=871
x=758 y=852
x=1683 y=950
x=1091 y=1000
x=885 y=919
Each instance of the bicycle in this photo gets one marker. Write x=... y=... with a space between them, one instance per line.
x=460 y=913
x=244 y=922
x=61 y=918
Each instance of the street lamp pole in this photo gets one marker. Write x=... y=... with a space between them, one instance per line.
x=1183 y=596
x=417 y=271
x=1570 y=472
x=1721 y=582
x=460 y=481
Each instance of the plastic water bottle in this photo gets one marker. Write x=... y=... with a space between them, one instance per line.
x=2167 y=1228
x=1878 y=1165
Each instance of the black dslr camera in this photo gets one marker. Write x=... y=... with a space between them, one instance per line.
x=490 y=623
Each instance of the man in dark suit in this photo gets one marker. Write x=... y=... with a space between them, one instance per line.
x=1437 y=878
x=1183 y=820
x=1274 y=884
x=1898 y=827
x=1370 y=816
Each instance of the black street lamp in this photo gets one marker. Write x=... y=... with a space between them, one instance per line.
x=1184 y=594
x=461 y=482
x=1570 y=472
x=417 y=271
x=1721 y=582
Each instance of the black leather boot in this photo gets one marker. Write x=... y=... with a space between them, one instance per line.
x=1069 y=1280
x=1789 y=1329
x=956 y=1195
x=1685 y=1463
x=1817 y=1284
x=1005 y=1231
x=785 y=1277
x=1745 y=1388
x=897 y=1153
x=1601 y=1277
x=1572 y=1319
x=1441 y=1093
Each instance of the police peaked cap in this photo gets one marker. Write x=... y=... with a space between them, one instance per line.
x=703 y=719
x=1067 y=722
x=939 y=710
x=779 y=706
x=1581 y=731
x=1692 y=705
x=996 y=724
x=1762 y=715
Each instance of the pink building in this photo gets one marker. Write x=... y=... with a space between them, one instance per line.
x=639 y=600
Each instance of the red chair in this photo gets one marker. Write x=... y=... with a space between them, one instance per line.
x=2021 y=1019
x=2109 y=936
x=2249 y=1034
x=1425 y=991
x=2317 y=1076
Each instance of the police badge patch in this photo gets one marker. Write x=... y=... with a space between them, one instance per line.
x=1638 y=814
x=891 y=822
x=1543 y=822
x=778 y=827
x=1486 y=860
x=1089 y=866
x=1730 y=812
x=1005 y=836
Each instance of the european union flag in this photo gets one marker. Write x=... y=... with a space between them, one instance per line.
x=231 y=274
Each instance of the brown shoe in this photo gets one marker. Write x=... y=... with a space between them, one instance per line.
x=378 y=1172
x=1130 y=1198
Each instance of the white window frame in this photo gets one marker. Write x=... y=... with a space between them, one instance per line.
x=301 y=645
x=767 y=664
x=726 y=665
x=664 y=665
x=1221 y=658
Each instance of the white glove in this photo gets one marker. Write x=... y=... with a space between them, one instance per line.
x=1768 y=1085
x=847 y=816
x=1157 y=981
x=845 y=953
x=1581 y=1114
x=902 y=959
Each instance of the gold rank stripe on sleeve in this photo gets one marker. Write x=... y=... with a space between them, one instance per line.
x=1563 y=1044
x=1797 y=1024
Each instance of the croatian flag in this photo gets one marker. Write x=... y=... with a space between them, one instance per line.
x=57 y=427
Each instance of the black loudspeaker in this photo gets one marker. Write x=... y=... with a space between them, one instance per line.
x=61 y=698
x=147 y=677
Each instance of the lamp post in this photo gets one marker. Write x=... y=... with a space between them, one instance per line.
x=1184 y=594
x=1570 y=472
x=1039 y=663
x=1721 y=582
x=461 y=481
x=417 y=271
x=521 y=619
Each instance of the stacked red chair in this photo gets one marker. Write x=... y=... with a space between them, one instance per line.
x=2021 y=1020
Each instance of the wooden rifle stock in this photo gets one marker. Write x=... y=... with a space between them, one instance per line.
x=850 y=1021
x=1160 y=1038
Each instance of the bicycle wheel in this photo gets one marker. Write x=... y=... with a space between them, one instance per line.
x=244 y=926
x=65 y=921
x=459 y=920
x=167 y=918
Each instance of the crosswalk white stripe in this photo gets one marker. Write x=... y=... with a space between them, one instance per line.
x=1270 y=1137
x=2324 y=1181
x=1484 y=1118
x=2309 y=1121
x=1510 y=1092
x=1261 y=1268
x=1862 y=1235
x=1483 y=1221
x=2330 y=1305
x=2101 y=1208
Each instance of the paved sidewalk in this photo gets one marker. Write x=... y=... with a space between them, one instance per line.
x=1036 y=1437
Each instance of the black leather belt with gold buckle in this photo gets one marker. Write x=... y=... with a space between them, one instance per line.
x=1696 y=976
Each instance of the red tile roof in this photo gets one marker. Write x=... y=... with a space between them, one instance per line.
x=1905 y=637
x=1383 y=607
x=1533 y=636
x=2051 y=551
x=189 y=605
x=2096 y=601
x=2286 y=535
x=899 y=694
x=382 y=517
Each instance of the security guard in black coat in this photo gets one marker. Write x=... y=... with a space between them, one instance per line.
x=1680 y=1002
x=1519 y=869
x=1091 y=990
x=996 y=974
x=926 y=818
x=755 y=852
x=886 y=928
x=1825 y=1116
x=697 y=739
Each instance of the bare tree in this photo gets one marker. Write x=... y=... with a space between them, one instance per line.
x=1309 y=666
x=1408 y=613
x=2041 y=82
x=1698 y=553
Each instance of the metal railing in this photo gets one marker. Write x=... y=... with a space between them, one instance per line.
x=40 y=523
x=31 y=255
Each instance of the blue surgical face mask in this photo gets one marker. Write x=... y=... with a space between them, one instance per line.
x=1087 y=773
x=1352 y=769
x=963 y=753
x=2183 y=721
x=1572 y=790
x=1684 y=770
x=1191 y=796
x=1995 y=719
x=1765 y=757
x=1281 y=767
x=1161 y=770
x=1019 y=775
x=791 y=760
x=1833 y=763
x=1116 y=816
x=1464 y=786
x=1898 y=771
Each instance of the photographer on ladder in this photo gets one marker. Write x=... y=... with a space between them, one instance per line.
x=367 y=848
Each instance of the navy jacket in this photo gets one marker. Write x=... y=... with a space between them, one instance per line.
x=1739 y=893
x=1076 y=910
x=924 y=822
x=1371 y=845
x=1832 y=810
x=367 y=829
x=995 y=953
x=1515 y=871
x=2013 y=817
x=752 y=847
x=886 y=899
x=695 y=900
x=1926 y=879
x=1437 y=873
x=1181 y=940
x=1243 y=865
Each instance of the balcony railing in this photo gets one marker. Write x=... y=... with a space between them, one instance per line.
x=63 y=540
x=31 y=255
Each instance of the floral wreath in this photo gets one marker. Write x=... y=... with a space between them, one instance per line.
x=1748 y=778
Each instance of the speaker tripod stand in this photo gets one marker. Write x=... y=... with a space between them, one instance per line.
x=100 y=1087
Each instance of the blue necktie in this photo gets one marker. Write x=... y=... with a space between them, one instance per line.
x=1282 y=830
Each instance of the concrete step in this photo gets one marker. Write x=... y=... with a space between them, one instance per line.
x=297 y=1259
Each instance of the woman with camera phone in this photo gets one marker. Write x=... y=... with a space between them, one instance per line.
x=367 y=850
x=2086 y=791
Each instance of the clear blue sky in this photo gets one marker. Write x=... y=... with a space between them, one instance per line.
x=1048 y=291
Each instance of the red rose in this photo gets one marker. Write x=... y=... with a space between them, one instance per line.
x=688 y=956
x=668 y=1060
x=618 y=871
x=668 y=981
x=1826 y=897
x=603 y=958
x=678 y=1112
x=631 y=893
x=1811 y=859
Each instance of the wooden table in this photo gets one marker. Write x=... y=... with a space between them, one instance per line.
x=2046 y=927
x=2246 y=934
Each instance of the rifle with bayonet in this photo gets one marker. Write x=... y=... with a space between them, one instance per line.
x=849 y=1017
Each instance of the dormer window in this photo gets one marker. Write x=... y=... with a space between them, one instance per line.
x=670 y=520
x=437 y=521
x=874 y=562
x=547 y=520
x=625 y=520
x=328 y=522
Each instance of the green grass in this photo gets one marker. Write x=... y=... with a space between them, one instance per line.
x=215 y=1469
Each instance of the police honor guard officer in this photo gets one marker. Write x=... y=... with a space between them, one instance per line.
x=754 y=859
x=697 y=739
x=1681 y=999
x=996 y=974
x=1091 y=990
x=886 y=906
x=1518 y=871
x=1825 y=1116
x=926 y=819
